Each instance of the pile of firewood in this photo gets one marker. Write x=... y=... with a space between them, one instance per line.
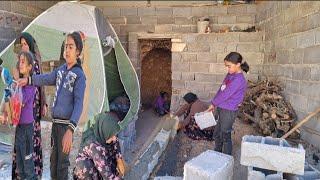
x=265 y=106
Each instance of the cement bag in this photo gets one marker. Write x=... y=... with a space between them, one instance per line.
x=205 y=119
x=15 y=105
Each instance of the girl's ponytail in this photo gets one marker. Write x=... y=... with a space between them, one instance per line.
x=245 y=67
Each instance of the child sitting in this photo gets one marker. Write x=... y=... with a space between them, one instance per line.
x=162 y=105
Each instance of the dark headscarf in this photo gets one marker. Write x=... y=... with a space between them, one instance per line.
x=190 y=97
x=30 y=41
x=106 y=125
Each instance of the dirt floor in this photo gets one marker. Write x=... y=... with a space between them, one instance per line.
x=181 y=149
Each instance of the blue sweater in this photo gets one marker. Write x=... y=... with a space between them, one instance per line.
x=70 y=86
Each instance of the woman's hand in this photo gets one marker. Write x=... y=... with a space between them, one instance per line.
x=67 y=141
x=210 y=109
x=22 y=82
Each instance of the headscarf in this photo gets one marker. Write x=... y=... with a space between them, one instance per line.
x=106 y=125
x=190 y=97
x=30 y=41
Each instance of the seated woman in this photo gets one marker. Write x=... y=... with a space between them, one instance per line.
x=100 y=155
x=162 y=105
x=188 y=124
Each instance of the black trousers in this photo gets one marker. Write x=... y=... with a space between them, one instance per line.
x=223 y=129
x=59 y=161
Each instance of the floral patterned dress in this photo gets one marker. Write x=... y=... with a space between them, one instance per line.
x=96 y=162
x=37 y=154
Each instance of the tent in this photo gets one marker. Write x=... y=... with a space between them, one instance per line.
x=107 y=67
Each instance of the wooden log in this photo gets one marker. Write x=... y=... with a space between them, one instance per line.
x=306 y=119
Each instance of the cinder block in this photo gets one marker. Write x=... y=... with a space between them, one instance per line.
x=263 y=174
x=209 y=165
x=272 y=153
x=199 y=67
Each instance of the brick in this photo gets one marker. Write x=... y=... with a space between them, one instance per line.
x=251 y=9
x=182 y=11
x=317 y=34
x=237 y=9
x=8 y=33
x=245 y=19
x=251 y=47
x=117 y=20
x=283 y=57
x=178 y=84
x=176 y=75
x=111 y=11
x=315 y=73
x=291 y=42
x=221 y=56
x=198 y=47
x=307 y=39
x=291 y=14
x=133 y=20
x=207 y=57
x=163 y=11
x=251 y=37
x=188 y=76
x=302 y=24
x=252 y=58
x=299 y=102
x=208 y=38
x=215 y=10
x=128 y=11
x=227 y=19
x=202 y=77
x=217 y=69
x=183 y=67
x=218 y=47
x=292 y=86
x=272 y=153
x=149 y=20
x=297 y=56
x=199 y=11
x=125 y=29
x=163 y=28
x=166 y=20
x=189 y=57
x=199 y=67
x=301 y=73
x=148 y=11
x=182 y=21
x=313 y=104
x=195 y=86
x=228 y=37
x=178 y=47
x=181 y=29
x=309 y=89
x=311 y=55
x=221 y=166
x=5 y=5
x=315 y=19
x=176 y=57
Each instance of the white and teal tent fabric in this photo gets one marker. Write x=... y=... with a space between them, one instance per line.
x=107 y=67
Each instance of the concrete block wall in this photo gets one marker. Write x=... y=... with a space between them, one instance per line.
x=199 y=65
x=16 y=15
x=292 y=54
x=172 y=17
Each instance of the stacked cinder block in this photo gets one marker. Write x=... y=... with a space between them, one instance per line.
x=209 y=165
x=268 y=154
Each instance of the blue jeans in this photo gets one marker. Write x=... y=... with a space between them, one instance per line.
x=24 y=149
